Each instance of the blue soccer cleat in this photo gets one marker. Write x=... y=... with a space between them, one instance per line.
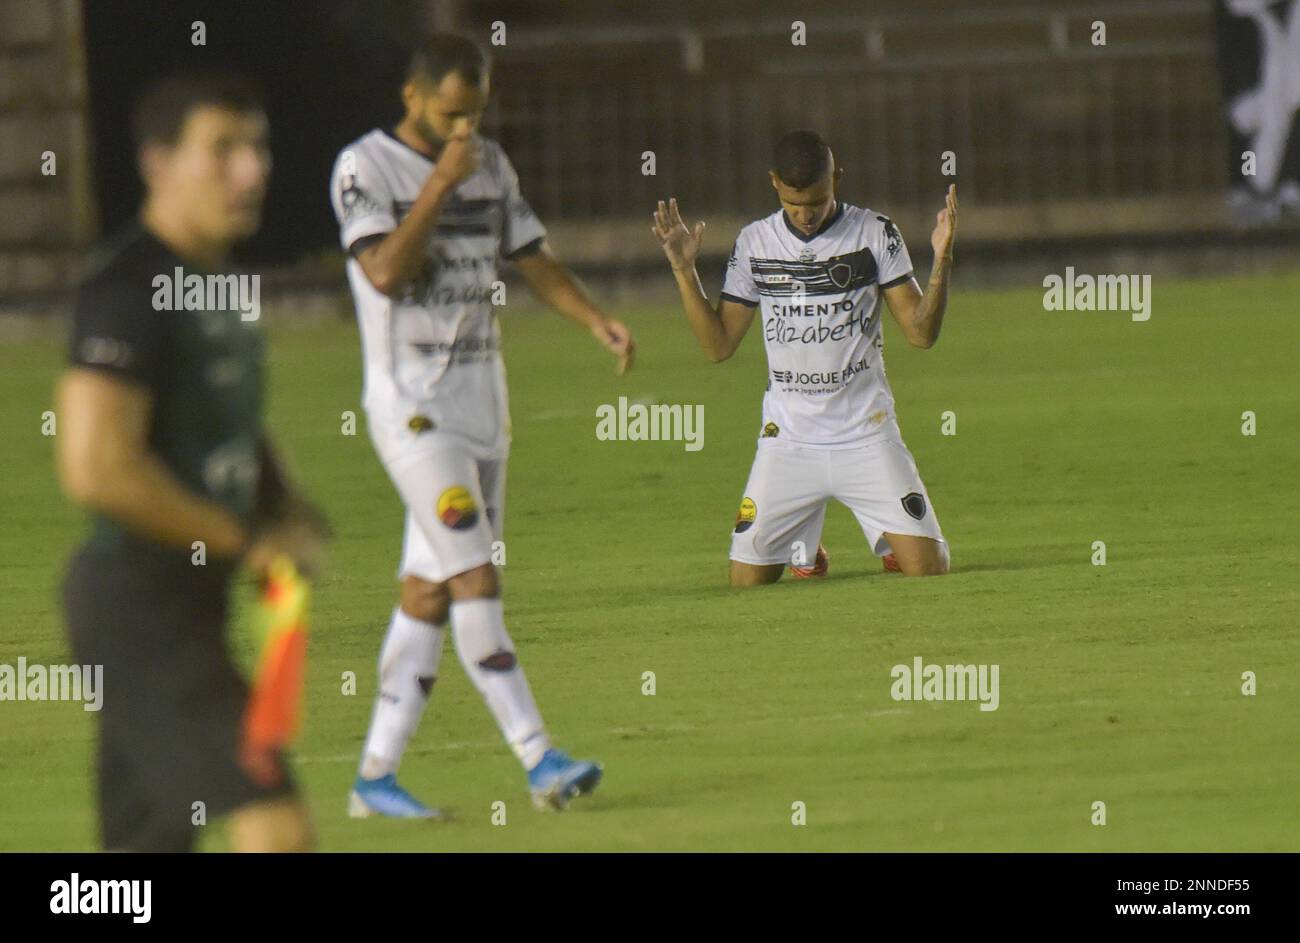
x=557 y=779
x=383 y=796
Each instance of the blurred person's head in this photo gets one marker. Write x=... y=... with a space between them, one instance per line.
x=804 y=176
x=202 y=145
x=446 y=88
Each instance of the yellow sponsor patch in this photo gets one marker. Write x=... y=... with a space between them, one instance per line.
x=771 y=431
x=456 y=508
x=419 y=424
x=745 y=518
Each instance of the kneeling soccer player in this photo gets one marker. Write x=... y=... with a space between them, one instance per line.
x=426 y=212
x=818 y=267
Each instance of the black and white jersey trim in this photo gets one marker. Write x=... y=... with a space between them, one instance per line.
x=781 y=278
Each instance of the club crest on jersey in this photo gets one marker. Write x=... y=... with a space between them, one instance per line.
x=840 y=274
x=456 y=508
x=914 y=505
x=418 y=424
x=748 y=513
x=771 y=430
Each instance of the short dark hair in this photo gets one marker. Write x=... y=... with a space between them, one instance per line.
x=161 y=109
x=801 y=158
x=444 y=53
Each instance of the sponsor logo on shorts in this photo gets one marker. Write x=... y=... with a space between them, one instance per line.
x=914 y=505
x=745 y=518
x=771 y=430
x=456 y=508
x=418 y=424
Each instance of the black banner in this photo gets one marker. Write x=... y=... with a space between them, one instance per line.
x=985 y=894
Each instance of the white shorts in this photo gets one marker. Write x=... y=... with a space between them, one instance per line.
x=784 y=505
x=455 y=503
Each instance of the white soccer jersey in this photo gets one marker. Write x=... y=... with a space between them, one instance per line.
x=820 y=307
x=433 y=354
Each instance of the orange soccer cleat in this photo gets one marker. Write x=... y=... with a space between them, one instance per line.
x=821 y=563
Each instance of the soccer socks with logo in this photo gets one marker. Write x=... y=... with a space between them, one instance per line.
x=488 y=655
x=408 y=666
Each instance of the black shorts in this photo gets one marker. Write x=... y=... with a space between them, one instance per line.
x=173 y=699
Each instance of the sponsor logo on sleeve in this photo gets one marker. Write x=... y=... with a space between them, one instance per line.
x=894 y=239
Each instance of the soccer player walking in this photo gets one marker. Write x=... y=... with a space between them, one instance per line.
x=426 y=211
x=161 y=439
x=818 y=268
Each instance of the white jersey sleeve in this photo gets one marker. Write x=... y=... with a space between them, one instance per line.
x=895 y=263
x=361 y=196
x=738 y=283
x=520 y=225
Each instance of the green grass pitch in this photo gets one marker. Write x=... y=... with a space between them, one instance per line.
x=1119 y=683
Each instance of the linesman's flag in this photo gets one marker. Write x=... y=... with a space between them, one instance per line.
x=273 y=713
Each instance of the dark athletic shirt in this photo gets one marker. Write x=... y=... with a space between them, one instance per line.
x=202 y=367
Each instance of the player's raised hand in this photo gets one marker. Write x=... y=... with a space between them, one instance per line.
x=680 y=245
x=457 y=160
x=945 y=225
x=617 y=339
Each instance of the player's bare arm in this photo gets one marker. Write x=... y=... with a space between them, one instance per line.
x=555 y=285
x=105 y=465
x=920 y=315
x=393 y=262
x=719 y=330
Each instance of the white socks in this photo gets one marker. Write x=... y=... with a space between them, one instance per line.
x=488 y=655
x=408 y=665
